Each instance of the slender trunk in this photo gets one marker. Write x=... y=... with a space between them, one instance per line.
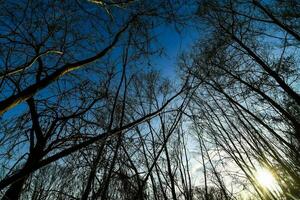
x=92 y=174
x=171 y=176
x=106 y=182
x=204 y=169
x=277 y=21
x=294 y=95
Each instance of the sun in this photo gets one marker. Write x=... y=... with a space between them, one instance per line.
x=266 y=179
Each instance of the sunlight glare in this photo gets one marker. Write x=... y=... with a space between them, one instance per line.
x=266 y=179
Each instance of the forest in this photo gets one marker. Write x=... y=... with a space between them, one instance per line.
x=149 y=99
